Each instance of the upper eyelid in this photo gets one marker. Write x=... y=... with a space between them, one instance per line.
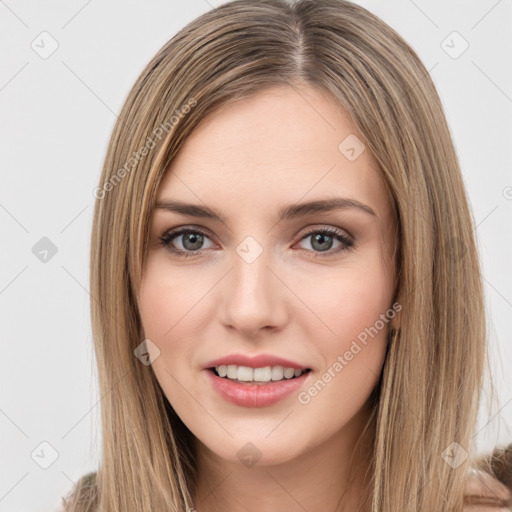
x=206 y=231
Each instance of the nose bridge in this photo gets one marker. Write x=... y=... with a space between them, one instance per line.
x=253 y=298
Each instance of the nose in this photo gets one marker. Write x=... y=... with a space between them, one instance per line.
x=254 y=297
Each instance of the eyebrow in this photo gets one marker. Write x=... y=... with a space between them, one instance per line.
x=287 y=212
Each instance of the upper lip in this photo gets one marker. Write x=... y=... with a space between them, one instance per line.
x=259 y=361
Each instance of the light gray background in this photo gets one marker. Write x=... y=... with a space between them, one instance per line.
x=57 y=116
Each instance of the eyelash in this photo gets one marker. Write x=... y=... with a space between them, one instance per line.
x=348 y=244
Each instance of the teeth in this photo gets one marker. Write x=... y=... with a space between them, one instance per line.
x=262 y=374
x=248 y=374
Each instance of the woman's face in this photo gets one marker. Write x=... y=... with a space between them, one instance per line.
x=258 y=283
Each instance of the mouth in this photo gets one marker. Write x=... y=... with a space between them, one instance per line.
x=256 y=387
x=264 y=375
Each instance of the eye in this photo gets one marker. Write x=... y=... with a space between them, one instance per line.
x=191 y=241
x=323 y=240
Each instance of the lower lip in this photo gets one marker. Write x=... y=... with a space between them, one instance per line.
x=255 y=395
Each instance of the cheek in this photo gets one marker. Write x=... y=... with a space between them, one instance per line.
x=170 y=307
x=348 y=330
x=345 y=302
x=357 y=311
x=169 y=301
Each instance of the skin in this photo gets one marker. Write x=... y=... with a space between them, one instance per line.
x=247 y=160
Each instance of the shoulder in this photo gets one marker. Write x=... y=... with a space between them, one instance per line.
x=484 y=493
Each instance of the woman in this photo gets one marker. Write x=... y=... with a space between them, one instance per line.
x=287 y=306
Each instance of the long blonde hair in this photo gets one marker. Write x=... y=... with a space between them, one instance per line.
x=423 y=420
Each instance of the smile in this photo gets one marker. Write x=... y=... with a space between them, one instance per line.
x=252 y=393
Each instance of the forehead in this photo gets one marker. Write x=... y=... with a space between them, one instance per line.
x=278 y=146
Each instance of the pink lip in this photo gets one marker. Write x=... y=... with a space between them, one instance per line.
x=259 y=361
x=255 y=395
